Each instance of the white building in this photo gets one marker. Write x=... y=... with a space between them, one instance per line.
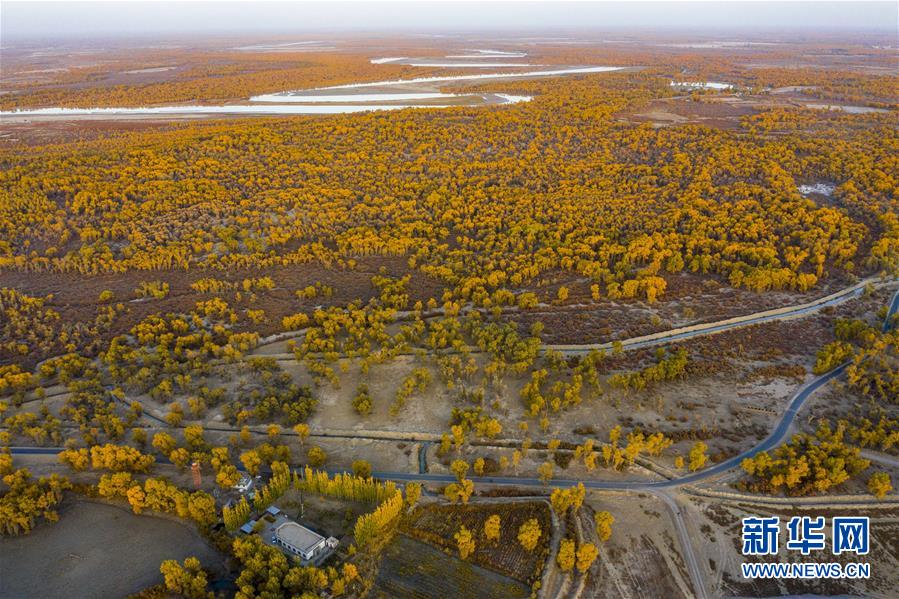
x=700 y=85
x=244 y=484
x=303 y=542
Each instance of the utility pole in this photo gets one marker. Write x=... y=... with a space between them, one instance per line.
x=302 y=507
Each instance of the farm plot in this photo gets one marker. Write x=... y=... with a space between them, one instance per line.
x=436 y=524
x=410 y=568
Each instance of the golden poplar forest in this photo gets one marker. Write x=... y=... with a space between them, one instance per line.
x=475 y=198
x=335 y=303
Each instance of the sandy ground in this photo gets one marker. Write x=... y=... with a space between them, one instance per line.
x=840 y=401
x=716 y=528
x=742 y=383
x=643 y=557
x=724 y=111
x=96 y=550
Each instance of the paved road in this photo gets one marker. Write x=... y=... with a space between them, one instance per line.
x=680 y=525
x=682 y=333
x=894 y=307
x=880 y=458
x=711 y=328
x=774 y=439
x=657 y=488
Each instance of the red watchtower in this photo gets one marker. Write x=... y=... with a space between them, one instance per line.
x=195 y=470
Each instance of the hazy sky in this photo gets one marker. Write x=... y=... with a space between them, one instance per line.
x=67 y=19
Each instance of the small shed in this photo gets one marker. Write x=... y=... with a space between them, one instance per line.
x=248 y=527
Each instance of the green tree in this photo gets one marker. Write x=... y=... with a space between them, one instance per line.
x=465 y=542
x=586 y=555
x=492 y=527
x=251 y=461
x=529 y=534
x=566 y=556
x=879 y=485
x=459 y=468
x=697 y=456
x=362 y=468
x=603 y=521
x=187 y=581
x=316 y=456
